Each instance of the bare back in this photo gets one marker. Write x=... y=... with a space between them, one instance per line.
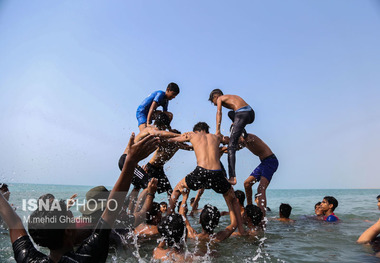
x=163 y=154
x=257 y=146
x=232 y=102
x=206 y=148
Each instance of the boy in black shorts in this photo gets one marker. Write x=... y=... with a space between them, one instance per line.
x=208 y=174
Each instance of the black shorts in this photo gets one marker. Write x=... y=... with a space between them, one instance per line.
x=163 y=184
x=209 y=179
x=140 y=178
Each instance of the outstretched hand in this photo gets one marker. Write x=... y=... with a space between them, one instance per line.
x=142 y=149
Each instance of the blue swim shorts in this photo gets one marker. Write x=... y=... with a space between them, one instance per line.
x=141 y=117
x=266 y=168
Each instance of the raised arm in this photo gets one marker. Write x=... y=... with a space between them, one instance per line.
x=196 y=200
x=13 y=221
x=151 y=190
x=152 y=108
x=191 y=233
x=370 y=234
x=136 y=152
x=224 y=234
x=218 y=115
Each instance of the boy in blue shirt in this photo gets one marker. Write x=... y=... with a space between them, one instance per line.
x=147 y=110
x=328 y=206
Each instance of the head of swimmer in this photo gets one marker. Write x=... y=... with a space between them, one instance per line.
x=52 y=226
x=329 y=203
x=5 y=191
x=378 y=202
x=201 y=126
x=171 y=91
x=317 y=209
x=214 y=95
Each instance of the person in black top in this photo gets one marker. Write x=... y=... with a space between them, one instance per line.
x=53 y=226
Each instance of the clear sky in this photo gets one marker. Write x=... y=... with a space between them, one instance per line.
x=72 y=74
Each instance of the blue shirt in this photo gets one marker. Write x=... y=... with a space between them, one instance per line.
x=157 y=96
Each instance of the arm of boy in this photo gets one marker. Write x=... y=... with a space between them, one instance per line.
x=218 y=115
x=13 y=221
x=370 y=234
x=224 y=234
x=136 y=152
x=141 y=215
x=152 y=108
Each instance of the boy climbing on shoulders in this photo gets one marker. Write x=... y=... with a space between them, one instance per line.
x=146 y=112
x=241 y=114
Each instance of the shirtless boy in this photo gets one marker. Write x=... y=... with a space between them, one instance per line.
x=263 y=173
x=147 y=110
x=208 y=173
x=241 y=115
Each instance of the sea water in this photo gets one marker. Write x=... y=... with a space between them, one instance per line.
x=305 y=240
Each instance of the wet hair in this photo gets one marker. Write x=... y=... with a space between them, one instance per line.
x=331 y=200
x=172 y=229
x=173 y=87
x=153 y=213
x=201 y=126
x=240 y=196
x=47 y=196
x=209 y=218
x=317 y=204
x=215 y=92
x=163 y=203
x=192 y=200
x=162 y=120
x=378 y=197
x=285 y=210
x=45 y=226
x=4 y=187
x=254 y=213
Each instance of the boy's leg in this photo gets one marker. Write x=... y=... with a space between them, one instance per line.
x=261 y=194
x=232 y=202
x=181 y=187
x=248 y=183
x=236 y=132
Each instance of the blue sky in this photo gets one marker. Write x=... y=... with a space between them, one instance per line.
x=72 y=74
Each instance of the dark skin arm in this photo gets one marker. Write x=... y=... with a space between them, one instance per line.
x=224 y=234
x=136 y=152
x=140 y=216
x=13 y=221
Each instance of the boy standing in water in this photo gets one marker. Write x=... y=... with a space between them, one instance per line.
x=241 y=115
x=328 y=206
x=146 y=112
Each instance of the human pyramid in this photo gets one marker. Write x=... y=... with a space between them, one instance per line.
x=209 y=173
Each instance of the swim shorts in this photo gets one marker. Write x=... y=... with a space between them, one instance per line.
x=209 y=179
x=163 y=184
x=140 y=178
x=266 y=168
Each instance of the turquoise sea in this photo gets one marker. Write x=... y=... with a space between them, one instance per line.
x=305 y=240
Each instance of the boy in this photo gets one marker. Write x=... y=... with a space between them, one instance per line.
x=208 y=173
x=172 y=230
x=284 y=213
x=378 y=202
x=147 y=110
x=163 y=207
x=262 y=173
x=254 y=216
x=241 y=115
x=209 y=220
x=46 y=230
x=328 y=206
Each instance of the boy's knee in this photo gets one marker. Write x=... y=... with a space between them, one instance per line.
x=248 y=183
